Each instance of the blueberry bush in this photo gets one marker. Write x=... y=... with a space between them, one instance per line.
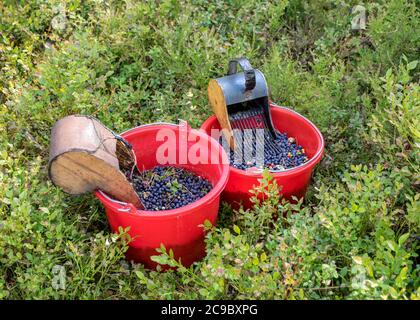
x=355 y=236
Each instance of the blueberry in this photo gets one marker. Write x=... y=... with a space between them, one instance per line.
x=285 y=153
x=171 y=187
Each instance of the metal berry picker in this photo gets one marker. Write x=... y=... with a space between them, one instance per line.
x=241 y=104
x=293 y=145
x=240 y=100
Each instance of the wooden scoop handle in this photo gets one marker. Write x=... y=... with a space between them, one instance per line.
x=218 y=103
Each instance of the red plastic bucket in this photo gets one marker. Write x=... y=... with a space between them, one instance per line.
x=294 y=181
x=178 y=229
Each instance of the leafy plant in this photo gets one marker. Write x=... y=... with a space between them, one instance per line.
x=355 y=236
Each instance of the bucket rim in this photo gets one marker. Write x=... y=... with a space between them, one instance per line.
x=124 y=207
x=309 y=164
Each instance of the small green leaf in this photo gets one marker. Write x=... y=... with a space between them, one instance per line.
x=203 y=292
x=301 y=294
x=388 y=73
x=44 y=210
x=399 y=281
x=160 y=259
x=236 y=229
x=358 y=260
x=141 y=277
x=255 y=261
x=391 y=244
x=403 y=239
x=412 y=65
x=162 y=248
x=207 y=225
x=182 y=269
x=263 y=257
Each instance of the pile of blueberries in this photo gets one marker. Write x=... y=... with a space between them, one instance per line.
x=166 y=188
x=283 y=154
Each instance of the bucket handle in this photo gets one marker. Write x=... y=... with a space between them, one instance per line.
x=129 y=207
x=126 y=207
x=249 y=72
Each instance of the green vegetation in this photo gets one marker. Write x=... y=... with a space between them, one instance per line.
x=355 y=236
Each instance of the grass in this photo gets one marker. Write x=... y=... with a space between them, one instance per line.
x=354 y=237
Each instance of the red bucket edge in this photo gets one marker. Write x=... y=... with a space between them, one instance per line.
x=311 y=163
x=215 y=192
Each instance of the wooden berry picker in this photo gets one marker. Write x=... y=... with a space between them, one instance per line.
x=260 y=135
x=159 y=204
x=85 y=156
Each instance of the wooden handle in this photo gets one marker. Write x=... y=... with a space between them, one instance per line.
x=79 y=172
x=218 y=103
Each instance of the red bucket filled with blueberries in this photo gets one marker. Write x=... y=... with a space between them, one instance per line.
x=258 y=134
x=178 y=195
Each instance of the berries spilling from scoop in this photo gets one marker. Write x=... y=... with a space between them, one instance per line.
x=166 y=188
x=285 y=155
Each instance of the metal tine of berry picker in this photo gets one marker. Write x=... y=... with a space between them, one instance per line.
x=237 y=124
x=270 y=144
x=259 y=140
x=246 y=124
x=267 y=140
x=242 y=125
x=249 y=124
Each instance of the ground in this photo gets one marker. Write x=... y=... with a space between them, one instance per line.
x=356 y=234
